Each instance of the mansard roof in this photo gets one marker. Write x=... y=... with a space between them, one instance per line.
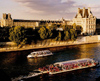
x=42 y=21
x=52 y=21
x=83 y=12
x=21 y=20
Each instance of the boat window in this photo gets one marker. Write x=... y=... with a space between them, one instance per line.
x=48 y=52
x=56 y=64
x=36 y=71
x=83 y=61
x=31 y=53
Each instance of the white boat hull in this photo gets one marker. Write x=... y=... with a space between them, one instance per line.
x=39 y=54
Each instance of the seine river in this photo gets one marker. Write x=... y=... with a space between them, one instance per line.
x=16 y=64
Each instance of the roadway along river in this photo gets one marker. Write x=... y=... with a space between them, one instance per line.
x=16 y=64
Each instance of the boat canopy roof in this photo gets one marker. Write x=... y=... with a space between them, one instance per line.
x=40 y=51
x=74 y=61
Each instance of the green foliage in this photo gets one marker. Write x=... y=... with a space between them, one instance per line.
x=50 y=33
x=54 y=26
x=73 y=34
x=24 y=41
x=72 y=31
x=58 y=38
x=74 y=26
x=65 y=27
x=67 y=35
x=4 y=34
x=43 y=33
x=79 y=29
x=47 y=32
x=17 y=35
x=68 y=27
x=72 y=37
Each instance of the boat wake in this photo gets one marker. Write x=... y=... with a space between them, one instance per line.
x=17 y=78
x=98 y=65
x=30 y=75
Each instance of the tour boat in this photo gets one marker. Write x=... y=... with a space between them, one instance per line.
x=67 y=66
x=40 y=53
x=62 y=67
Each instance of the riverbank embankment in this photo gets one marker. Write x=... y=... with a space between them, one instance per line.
x=80 y=40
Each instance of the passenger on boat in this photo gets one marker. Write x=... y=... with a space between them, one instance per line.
x=76 y=65
x=66 y=67
x=95 y=63
x=89 y=63
x=44 y=52
x=40 y=69
x=54 y=68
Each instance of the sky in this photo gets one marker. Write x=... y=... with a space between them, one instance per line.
x=47 y=9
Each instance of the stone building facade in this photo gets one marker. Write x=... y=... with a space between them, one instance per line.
x=84 y=18
x=8 y=21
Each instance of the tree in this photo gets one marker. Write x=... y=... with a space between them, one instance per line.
x=65 y=27
x=69 y=27
x=4 y=34
x=50 y=33
x=74 y=26
x=67 y=35
x=79 y=29
x=58 y=38
x=73 y=34
x=17 y=35
x=54 y=26
x=43 y=33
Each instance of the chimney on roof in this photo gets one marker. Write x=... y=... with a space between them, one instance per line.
x=4 y=16
x=9 y=16
x=89 y=10
x=83 y=11
x=78 y=10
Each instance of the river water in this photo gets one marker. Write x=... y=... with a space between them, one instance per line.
x=16 y=64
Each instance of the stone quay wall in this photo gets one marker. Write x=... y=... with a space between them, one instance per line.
x=80 y=40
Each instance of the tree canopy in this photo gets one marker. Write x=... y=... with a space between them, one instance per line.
x=74 y=26
x=21 y=35
x=58 y=38
x=67 y=35
x=43 y=33
x=4 y=34
x=17 y=35
x=73 y=34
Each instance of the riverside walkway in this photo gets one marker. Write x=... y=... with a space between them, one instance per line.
x=40 y=46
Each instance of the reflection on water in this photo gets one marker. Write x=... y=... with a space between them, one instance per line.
x=90 y=51
x=17 y=64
